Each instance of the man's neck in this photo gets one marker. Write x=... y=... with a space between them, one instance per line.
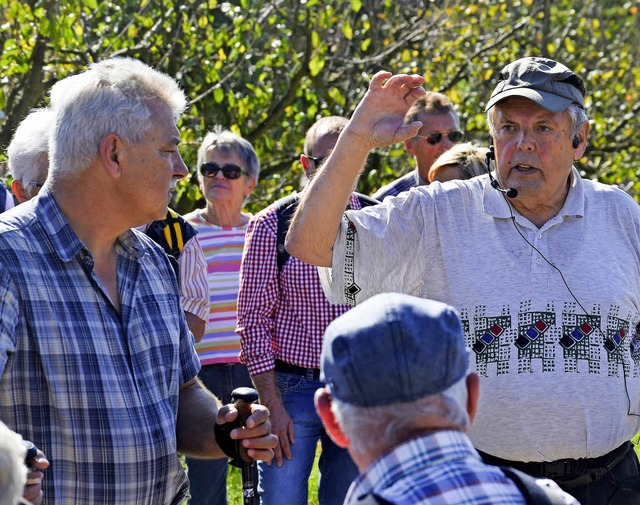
x=92 y=217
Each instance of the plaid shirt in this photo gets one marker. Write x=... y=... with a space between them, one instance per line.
x=95 y=389
x=404 y=183
x=283 y=314
x=441 y=468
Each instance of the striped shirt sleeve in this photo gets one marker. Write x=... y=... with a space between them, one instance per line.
x=194 y=287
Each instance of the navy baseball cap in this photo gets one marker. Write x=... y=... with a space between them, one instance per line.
x=393 y=348
x=544 y=81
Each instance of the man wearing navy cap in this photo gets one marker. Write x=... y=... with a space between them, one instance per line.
x=403 y=418
x=542 y=265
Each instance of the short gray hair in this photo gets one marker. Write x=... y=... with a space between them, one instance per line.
x=327 y=125
x=578 y=118
x=28 y=151
x=228 y=142
x=112 y=96
x=13 y=472
x=369 y=428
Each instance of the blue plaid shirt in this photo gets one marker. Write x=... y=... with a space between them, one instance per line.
x=441 y=468
x=404 y=183
x=95 y=389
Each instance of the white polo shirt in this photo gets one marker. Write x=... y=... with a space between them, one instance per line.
x=555 y=381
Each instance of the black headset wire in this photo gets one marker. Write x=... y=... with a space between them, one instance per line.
x=589 y=316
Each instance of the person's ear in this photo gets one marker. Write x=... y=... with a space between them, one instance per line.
x=473 y=394
x=322 y=400
x=307 y=165
x=110 y=150
x=580 y=141
x=18 y=191
x=250 y=184
x=409 y=146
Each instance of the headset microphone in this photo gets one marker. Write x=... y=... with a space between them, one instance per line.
x=575 y=142
x=510 y=192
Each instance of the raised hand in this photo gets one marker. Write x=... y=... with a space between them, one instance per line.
x=379 y=118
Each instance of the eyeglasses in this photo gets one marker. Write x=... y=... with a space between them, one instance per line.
x=36 y=184
x=436 y=138
x=229 y=171
x=316 y=159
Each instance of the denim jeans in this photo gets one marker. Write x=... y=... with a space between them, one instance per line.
x=208 y=477
x=288 y=485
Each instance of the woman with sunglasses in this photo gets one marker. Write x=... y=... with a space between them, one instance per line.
x=440 y=131
x=228 y=170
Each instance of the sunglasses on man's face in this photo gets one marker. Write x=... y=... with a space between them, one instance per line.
x=229 y=171
x=316 y=159
x=436 y=138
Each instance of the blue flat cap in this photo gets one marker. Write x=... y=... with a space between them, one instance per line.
x=393 y=348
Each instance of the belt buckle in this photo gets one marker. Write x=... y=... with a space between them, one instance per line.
x=558 y=469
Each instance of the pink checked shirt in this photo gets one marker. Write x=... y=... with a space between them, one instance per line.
x=283 y=314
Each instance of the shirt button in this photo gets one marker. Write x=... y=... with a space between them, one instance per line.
x=540 y=236
x=538 y=261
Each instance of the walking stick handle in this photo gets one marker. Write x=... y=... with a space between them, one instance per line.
x=242 y=399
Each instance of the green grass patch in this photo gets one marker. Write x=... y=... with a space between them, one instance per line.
x=234 y=484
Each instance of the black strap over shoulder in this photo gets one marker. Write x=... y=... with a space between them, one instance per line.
x=3 y=197
x=534 y=491
x=285 y=207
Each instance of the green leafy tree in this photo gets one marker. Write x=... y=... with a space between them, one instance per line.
x=267 y=69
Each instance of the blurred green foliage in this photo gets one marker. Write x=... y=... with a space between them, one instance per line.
x=267 y=69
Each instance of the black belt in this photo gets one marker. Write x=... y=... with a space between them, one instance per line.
x=309 y=373
x=568 y=473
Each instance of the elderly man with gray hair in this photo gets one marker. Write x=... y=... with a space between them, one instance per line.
x=97 y=365
x=28 y=153
x=399 y=398
x=542 y=265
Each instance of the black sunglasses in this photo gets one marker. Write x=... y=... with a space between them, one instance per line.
x=229 y=171
x=436 y=138
x=316 y=159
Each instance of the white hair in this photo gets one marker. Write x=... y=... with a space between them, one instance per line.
x=28 y=151
x=13 y=472
x=369 y=428
x=112 y=96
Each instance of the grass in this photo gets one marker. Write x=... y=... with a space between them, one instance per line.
x=234 y=484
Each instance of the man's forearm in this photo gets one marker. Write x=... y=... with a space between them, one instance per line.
x=197 y=413
x=316 y=221
x=196 y=325
x=266 y=386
